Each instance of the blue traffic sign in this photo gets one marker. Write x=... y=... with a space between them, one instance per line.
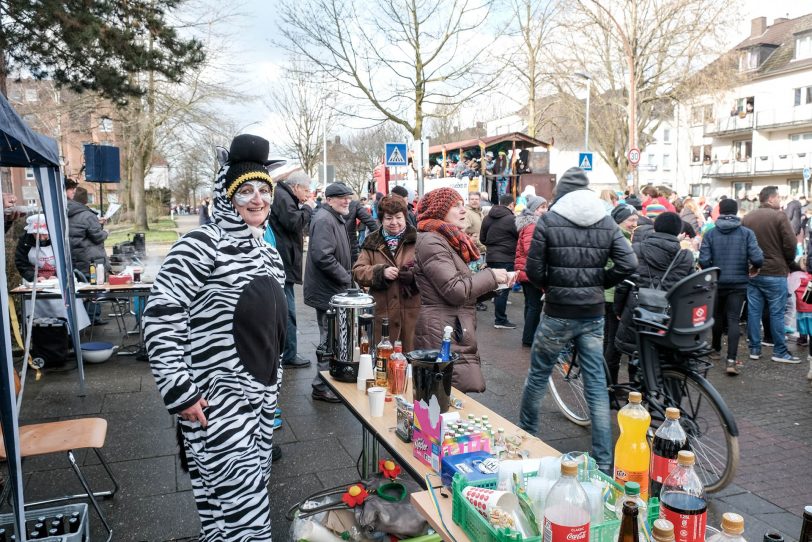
x=807 y=173
x=396 y=154
x=585 y=161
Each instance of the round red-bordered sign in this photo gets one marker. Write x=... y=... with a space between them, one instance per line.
x=634 y=156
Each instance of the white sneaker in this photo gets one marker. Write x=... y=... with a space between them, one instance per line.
x=787 y=358
x=809 y=374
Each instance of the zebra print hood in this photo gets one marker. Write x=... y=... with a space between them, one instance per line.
x=225 y=215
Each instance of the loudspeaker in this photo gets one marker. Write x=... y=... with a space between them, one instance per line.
x=102 y=164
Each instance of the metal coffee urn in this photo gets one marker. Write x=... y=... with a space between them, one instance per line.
x=354 y=313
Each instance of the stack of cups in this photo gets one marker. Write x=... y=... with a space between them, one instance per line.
x=364 y=371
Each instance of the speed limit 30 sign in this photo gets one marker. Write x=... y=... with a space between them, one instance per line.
x=634 y=156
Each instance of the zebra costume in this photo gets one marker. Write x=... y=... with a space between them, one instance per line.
x=215 y=328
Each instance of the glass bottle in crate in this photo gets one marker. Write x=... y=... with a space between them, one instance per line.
x=629 y=523
x=669 y=439
x=632 y=452
x=631 y=493
x=566 y=513
x=682 y=500
x=382 y=353
x=732 y=529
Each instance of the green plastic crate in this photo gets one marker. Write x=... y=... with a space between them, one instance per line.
x=479 y=530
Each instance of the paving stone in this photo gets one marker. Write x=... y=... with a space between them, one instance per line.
x=285 y=492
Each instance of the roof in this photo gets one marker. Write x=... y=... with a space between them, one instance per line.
x=780 y=35
x=522 y=141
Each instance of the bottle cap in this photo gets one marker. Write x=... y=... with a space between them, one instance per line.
x=632 y=488
x=630 y=508
x=685 y=458
x=569 y=468
x=732 y=523
x=662 y=530
x=672 y=413
x=635 y=397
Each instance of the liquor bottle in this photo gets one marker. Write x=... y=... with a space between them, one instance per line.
x=396 y=371
x=669 y=439
x=632 y=453
x=682 y=500
x=382 y=353
x=364 y=342
x=93 y=273
x=566 y=516
x=662 y=530
x=732 y=529
x=445 y=347
x=628 y=525
x=806 y=528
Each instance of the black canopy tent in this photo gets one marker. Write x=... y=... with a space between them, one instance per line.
x=21 y=147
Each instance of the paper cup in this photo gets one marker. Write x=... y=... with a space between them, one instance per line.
x=364 y=371
x=377 y=399
x=485 y=500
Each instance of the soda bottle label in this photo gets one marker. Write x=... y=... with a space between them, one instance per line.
x=641 y=477
x=687 y=527
x=565 y=533
x=661 y=467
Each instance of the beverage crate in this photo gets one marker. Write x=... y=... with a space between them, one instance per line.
x=479 y=530
x=83 y=535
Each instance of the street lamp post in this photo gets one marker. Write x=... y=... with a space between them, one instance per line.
x=586 y=118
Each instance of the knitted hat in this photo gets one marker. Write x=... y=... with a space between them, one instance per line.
x=635 y=202
x=573 y=179
x=668 y=223
x=653 y=210
x=621 y=212
x=534 y=202
x=728 y=206
x=437 y=203
x=247 y=159
x=36 y=224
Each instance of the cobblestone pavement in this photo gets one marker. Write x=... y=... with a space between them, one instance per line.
x=321 y=442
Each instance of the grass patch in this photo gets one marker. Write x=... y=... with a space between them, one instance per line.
x=162 y=231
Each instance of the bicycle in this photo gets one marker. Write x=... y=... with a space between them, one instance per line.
x=672 y=372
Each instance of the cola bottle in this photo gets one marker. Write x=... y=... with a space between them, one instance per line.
x=682 y=500
x=669 y=439
x=566 y=516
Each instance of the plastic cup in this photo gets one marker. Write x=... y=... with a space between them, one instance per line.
x=485 y=500
x=364 y=371
x=377 y=399
x=509 y=473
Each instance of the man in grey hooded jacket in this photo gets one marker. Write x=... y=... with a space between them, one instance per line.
x=568 y=256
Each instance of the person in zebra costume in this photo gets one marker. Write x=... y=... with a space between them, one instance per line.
x=215 y=327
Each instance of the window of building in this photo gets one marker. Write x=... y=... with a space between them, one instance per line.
x=740 y=190
x=666 y=135
x=803 y=46
x=651 y=159
x=29 y=173
x=803 y=96
x=701 y=154
x=666 y=162
x=800 y=142
x=31 y=95
x=701 y=114
x=794 y=187
x=742 y=106
x=106 y=124
x=743 y=150
x=697 y=190
x=748 y=59
x=91 y=198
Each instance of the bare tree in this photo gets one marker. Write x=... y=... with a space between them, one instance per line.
x=535 y=24
x=401 y=58
x=643 y=56
x=306 y=111
x=445 y=123
x=366 y=148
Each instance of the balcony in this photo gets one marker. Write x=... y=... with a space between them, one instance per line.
x=728 y=168
x=788 y=117
x=780 y=164
x=732 y=125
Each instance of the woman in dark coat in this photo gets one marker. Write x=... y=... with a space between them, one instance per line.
x=654 y=255
x=449 y=287
x=386 y=267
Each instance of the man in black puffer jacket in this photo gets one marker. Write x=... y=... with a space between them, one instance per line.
x=572 y=244
x=733 y=249
x=499 y=235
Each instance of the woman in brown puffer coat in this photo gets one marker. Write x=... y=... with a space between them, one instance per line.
x=386 y=267
x=448 y=286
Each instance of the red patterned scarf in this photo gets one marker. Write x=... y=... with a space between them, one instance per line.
x=460 y=241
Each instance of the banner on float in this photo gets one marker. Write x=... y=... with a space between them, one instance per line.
x=460 y=185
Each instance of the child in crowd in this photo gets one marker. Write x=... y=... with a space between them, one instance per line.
x=803 y=316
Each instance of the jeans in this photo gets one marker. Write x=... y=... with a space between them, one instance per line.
x=501 y=299
x=289 y=354
x=532 y=312
x=729 y=303
x=552 y=336
x=771 y=291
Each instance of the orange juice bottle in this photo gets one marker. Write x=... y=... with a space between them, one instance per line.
x=632 y=452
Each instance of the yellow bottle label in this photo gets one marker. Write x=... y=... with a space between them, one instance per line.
x=641 y=477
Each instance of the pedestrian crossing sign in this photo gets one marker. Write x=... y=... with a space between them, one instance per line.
x=396 y=154
x=585 y=161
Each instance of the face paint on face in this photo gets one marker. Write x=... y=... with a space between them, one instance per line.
x=247 y=191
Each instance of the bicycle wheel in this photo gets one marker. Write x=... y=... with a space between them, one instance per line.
x=715 y=448
x=567 y=387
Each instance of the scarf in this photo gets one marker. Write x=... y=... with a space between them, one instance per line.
x=459 y=240
x=393 y=241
